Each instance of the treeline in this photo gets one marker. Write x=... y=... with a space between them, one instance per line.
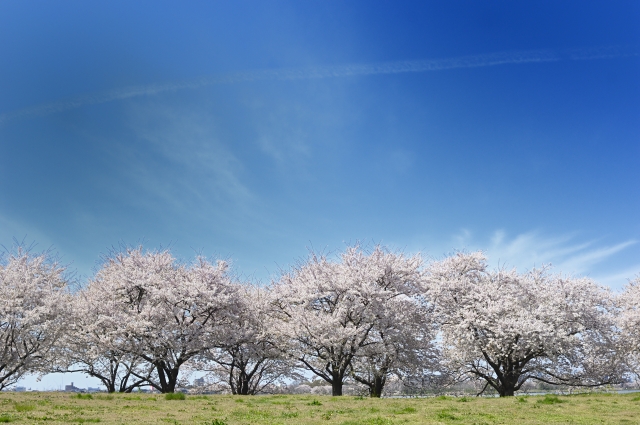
x=362 y=317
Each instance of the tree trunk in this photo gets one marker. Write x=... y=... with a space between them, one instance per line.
x=337 y=379
x=168 y=377
x=110 y=384
x=507 y=386
x=244 y=384
x=374 y=381
x=375 y=389
x=240 y=380
x=336 y=387
x=507 y=392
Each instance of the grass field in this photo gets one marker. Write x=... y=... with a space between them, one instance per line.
x=52 y=408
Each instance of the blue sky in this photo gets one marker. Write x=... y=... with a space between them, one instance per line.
x=255 y=130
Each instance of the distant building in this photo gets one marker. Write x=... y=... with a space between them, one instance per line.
x=72 y=389
x=20 y=389
x=93 y=390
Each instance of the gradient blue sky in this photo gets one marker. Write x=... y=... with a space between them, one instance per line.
x=254 y=130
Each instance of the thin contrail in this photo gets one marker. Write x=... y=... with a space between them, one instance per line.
x=397 y=67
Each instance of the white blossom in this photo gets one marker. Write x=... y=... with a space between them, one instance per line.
x=506 y=328
x=160 y=311
x=629 y=321
x=329 y=311
x=33 y=308
x=246 y=356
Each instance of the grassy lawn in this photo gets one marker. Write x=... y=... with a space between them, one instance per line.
x=29 y=408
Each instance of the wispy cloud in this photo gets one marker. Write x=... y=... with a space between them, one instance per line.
x=208 y=171
x=564 y=252
x=396 y=67
x=584 y=259
x=620 y=278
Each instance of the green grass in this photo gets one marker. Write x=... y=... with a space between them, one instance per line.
x=60 y=408
x=551 y=399
x=174 y=396
x=23 y=407
x=84 y=396
x=405 y=410
x=104 y=397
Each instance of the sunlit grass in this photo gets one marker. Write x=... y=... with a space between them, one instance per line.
x=84 y=396
x=23 y=407
x=550 y=399
x=59 y=408
x=175 y=396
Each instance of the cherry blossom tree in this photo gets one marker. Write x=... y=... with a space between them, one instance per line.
x=629 y=322
x=160 y=311
x=329 y=309
x=33 y=308
x=93 y=341
x=401 y=343
x=505 y=328
x=247 y=358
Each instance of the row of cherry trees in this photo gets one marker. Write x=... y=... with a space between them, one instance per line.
x=362 y=316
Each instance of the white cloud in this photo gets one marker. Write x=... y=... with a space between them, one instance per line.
x=565 y=252
x=349 y=70
x=584 y=260
x=175 y=164
x=283 y=138
x=204 y=168
x=620 y=278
